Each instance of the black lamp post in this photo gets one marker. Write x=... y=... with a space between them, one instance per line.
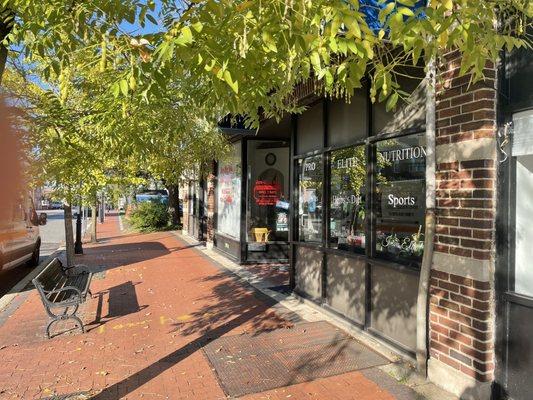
x=78 y=248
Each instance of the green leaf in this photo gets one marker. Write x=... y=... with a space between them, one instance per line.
x=115 y=89
x=315 y=61
x=232 y=84
x=448 y=4
x=385 y=12
x=408 y=3
x=391 y=101
x=368 y=49
x=186 y=34
x=198 y=26
x=124 y=87
x=150 y=18
x=406 y=11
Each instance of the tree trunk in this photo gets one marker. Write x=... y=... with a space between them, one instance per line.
x=94 y=207
x=69 y=234
x=174 y=204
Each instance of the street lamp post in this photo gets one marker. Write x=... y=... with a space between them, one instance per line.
x=78 y=248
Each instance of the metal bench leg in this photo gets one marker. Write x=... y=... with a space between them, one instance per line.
x=63 y=317
x=72 y=315
x=78 y=320
x=50 y=323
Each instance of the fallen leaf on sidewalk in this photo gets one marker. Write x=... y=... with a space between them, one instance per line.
x=103 y=373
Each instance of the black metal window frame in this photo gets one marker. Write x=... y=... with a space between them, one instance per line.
x=369 y=143
x=369 y=258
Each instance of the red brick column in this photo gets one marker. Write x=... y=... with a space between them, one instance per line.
x=461 y=287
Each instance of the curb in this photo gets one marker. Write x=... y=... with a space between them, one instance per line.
x=15 y=290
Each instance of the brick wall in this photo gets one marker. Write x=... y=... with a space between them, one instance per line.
x=461 y=308
x=465 y=111
x=461 y=328
x=465 y=201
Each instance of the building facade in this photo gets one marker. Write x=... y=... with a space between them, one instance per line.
x=339 y=191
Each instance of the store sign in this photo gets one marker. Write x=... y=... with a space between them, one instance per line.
x=309 y=166
x=403 y=201
x=345 y=163
x=267 y=193
x=396 y=201
x=284 y=205
x=282 y=222
x=350 y=199
x=409 y=153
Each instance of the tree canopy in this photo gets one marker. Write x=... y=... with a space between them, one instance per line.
x=244 y=55
x=142 y=84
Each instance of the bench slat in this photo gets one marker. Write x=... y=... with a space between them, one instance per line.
x=53 y=278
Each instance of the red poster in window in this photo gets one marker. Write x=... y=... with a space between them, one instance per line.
x=267 y=193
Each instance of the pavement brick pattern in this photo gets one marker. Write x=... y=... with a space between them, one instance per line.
x=158 y=305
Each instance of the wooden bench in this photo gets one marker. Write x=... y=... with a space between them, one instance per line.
x=63 y=290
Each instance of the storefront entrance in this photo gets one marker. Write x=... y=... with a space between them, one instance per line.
x=267 y=206
x=253 y=195
x=196 y=210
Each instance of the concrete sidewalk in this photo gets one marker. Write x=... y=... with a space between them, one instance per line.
x=167 y=321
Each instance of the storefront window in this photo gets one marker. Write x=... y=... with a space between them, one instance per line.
x=400 y=199
x=268 y=191
x=310 y=199
x=347 y=199
x=229 y=194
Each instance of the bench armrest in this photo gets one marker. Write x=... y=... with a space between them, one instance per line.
x=66 y=289
x=76 y=269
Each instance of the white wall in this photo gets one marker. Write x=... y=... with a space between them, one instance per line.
x=524 y=225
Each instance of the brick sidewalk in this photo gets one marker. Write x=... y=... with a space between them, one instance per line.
x=157 y=302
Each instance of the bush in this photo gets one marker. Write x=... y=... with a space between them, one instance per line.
x=149 y=216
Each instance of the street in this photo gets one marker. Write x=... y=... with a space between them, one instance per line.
x=53 y=233
x=52 y=237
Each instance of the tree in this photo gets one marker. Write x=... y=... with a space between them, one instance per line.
x=173 y=142
x=267 y=47
x=63 y=140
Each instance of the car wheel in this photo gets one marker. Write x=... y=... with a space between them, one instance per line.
x=34 y=260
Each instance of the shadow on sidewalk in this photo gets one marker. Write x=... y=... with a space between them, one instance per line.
x=123 y=254
x=122 y=300
x=231 y=305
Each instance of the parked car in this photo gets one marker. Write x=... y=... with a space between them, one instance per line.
x=56 y=205
x=20 y=241
x=45 y=204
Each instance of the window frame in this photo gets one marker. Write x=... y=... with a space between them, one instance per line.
x=370 y=145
